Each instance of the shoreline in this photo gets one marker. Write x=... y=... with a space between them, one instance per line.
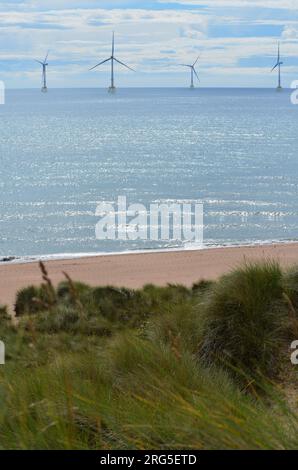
x=17 y=260
x=134 y=270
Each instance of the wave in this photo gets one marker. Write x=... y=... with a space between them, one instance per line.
x=187 y=247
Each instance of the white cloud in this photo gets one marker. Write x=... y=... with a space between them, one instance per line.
x=290 y=32
x=278 y=4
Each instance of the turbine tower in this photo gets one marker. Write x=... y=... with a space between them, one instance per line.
x=278 y=65
x=44 y=65
x=193 y=72
x=112 y=59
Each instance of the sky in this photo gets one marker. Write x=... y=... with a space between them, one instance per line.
x=235 y=39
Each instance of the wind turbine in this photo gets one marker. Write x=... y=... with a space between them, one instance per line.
x=44 y=65
x=193 y=72
x=112 y=59
x=278 y=65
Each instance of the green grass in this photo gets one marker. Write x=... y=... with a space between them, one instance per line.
x=156 y=368
x=247 y=320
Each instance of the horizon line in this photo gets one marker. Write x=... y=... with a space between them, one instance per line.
x=151 y=88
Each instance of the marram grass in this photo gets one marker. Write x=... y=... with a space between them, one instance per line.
x=157 y=368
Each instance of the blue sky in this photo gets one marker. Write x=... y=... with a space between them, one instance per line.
x=237 y=41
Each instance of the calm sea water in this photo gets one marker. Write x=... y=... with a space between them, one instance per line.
x=62 y=153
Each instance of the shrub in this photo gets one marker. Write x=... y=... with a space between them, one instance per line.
x=68 y=319
x=30 y=300
x=67 y=291
x=173 y=293
x=202 y=287
x=4 y=316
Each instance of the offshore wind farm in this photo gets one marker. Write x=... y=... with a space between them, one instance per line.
x=194 y=127
x=124 y=138
x=112 y=60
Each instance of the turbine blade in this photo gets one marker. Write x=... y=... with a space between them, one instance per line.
x=124 y=65
x=195 y=72
x=185 y=65
x=46 y=57
x=41 y=63
x=197 y=60
x=113 y=44
x=101 y=63
x=275 y=67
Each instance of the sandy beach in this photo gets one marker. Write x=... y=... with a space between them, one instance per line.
x=136 y=270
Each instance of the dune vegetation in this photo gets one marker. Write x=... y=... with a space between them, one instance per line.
x=158 y=368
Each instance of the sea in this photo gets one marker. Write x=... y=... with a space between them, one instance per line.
x=62 y=153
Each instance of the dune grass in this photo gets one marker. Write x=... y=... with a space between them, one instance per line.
x=247 y=320
x=156 y=368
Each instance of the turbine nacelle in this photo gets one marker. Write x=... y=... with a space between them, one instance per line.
x=277 y=65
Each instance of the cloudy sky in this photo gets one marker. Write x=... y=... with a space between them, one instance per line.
x=237 y=41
